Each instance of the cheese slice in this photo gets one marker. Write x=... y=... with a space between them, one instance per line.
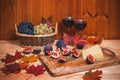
x=95 y=51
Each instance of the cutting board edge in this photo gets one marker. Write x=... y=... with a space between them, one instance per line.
x=50 y=70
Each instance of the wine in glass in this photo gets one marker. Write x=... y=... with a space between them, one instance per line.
x=68 y=21
x=80 y=24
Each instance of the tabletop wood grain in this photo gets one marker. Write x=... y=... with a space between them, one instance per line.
x=109 y=73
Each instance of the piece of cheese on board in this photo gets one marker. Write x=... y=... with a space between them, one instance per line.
x=95 y=51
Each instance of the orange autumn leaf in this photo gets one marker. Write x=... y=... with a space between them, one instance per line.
x=97 y=72
x=93 y=75
x=31 y=58
x=23 y=65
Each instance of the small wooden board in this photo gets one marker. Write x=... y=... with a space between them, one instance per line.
x=78 y=64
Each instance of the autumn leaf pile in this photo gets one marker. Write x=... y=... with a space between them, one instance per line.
x=20 y=61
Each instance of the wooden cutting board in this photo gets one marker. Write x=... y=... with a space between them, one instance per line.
x=78 y=64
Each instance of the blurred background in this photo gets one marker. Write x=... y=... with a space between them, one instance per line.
x=102 y=16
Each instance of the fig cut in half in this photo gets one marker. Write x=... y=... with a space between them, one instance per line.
x=90 y=59
x=48 y=52
x=55 y=55
x=62 y=59
x=77 y=54
x=27 y=50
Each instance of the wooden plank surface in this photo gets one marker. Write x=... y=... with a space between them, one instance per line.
x=78 y=65
x=15 y=11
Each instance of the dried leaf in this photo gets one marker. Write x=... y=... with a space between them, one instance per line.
x=31 y=58
x=23 y=65
x=11 y=68
x=92 y=75
x=36 y=70
x=43 y=21
x=8 y=59
x=18 y=55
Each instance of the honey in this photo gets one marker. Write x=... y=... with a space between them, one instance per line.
x=92 y=39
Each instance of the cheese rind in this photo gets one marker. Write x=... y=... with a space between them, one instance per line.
x=95 y=51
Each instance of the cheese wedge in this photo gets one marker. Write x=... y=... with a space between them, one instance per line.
x=95 y=51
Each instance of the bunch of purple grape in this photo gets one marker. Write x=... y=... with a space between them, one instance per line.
x=26 y=28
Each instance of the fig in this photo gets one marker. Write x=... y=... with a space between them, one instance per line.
x=77 y=54
x=73 y=50
x=80 y=46
x=60 y=43
x=66 y=53
x=55 y=55
x=65 y=49
x=48 y=48
x=57 y=50
x=48 y=52
x=62 y=59
x=27 y=50
x=90 y=59
x=36 y=51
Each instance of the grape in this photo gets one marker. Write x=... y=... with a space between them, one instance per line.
x=26 y=28
x=48 y=48
x=60 y=43
x=50 y=30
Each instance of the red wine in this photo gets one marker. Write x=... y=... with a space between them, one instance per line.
x=68 y=22
x=80 y=24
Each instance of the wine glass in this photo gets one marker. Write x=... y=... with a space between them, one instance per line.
x=80 y=24
x=68 y=21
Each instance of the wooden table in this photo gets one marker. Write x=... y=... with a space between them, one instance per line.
x=109 y=73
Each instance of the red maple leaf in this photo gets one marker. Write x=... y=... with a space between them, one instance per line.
x=8 y=59
x=18 y=55
x=36 y=70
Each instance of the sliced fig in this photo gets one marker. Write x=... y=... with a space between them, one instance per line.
x=77 y=54
x=73 y=50
x=62 y=59
x=57 y=50
x=27 y=50
x=55 y=55
x=66 y=53
x=90 y=59
x=48 y=52
x=65 y=48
